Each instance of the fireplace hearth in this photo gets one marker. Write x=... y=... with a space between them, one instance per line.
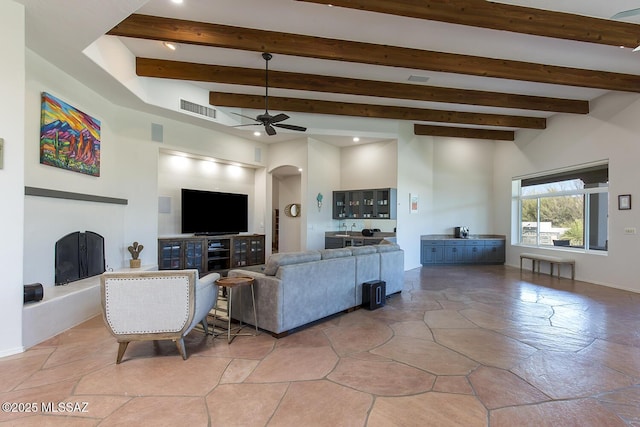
x=79 y=255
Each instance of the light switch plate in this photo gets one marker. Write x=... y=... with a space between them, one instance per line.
x=1 y=153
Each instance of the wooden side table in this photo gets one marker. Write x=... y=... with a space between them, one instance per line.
x=235 y=282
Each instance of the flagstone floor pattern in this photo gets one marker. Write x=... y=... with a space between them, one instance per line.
x=460 y=346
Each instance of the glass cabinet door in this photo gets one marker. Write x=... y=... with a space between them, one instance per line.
x=170 y=256
x=193 y=255
x=355 y=204
x=240 y=252
x=382 y=204
x=368 y=203
x=340 y=204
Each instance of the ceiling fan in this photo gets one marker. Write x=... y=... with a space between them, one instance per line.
x=266 y=119
x=626 y=14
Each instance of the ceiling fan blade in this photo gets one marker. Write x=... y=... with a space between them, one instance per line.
x=279 y=118
x=246 y=117
x=247 y=124
x=269 y=129
x=291 y=127
x=626 y=13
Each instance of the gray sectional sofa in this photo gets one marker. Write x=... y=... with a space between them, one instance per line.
x=297 y=288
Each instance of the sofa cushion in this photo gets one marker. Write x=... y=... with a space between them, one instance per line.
x=288 y=258
x=390 y=247
x=363 y=250
x=335 y=253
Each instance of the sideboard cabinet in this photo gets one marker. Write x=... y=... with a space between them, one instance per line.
x=210 y=253
x=436 y=249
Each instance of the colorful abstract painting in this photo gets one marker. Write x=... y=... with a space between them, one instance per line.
x=69 y=138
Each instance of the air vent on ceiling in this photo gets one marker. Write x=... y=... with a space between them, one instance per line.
x=201 y=110
x=418 y=79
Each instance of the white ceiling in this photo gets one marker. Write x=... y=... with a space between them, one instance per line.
x=91 y=19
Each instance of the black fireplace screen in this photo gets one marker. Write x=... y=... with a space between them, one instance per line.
x=79 y=255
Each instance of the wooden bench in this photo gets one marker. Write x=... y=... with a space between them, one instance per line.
x=552 y=260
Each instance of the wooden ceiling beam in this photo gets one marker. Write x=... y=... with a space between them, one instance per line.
x=458 y=132
x=206 y=34
x=314 y=106
x=506 y=17
x=161 y=68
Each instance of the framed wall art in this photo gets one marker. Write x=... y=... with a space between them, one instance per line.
x=624 y=202
x=414 y=202
x=69 y=138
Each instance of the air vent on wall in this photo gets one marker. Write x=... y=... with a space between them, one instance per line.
x=201 y=110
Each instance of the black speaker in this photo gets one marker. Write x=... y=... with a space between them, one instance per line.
x=373 y=294
x=33 y=292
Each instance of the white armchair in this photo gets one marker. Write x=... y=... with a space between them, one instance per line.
x=156 y=305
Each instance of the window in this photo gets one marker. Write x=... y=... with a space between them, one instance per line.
x=567 y=208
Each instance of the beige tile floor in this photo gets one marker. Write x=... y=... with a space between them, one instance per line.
x=467 y=346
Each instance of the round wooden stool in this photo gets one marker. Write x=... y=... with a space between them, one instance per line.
x=235 y=282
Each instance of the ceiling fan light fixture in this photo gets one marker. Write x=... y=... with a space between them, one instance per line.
x=267 y=120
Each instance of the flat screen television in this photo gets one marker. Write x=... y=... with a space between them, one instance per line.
x=209 y=212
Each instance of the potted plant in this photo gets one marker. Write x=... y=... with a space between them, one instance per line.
x=135 y=250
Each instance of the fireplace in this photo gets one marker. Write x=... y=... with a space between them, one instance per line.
x=79 y=255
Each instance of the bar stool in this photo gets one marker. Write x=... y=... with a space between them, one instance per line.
x=235 y=282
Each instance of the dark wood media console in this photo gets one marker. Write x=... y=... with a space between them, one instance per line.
x=210 y=253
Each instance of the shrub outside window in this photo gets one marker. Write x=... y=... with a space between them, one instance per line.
x=567 y=209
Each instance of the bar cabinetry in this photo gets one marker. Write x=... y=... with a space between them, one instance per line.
x=366 y=204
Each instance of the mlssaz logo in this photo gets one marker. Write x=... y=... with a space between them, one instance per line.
x=64 y=407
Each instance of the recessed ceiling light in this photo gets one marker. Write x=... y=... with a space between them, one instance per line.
x=256 y=133
x=356 y=139
x=299 y=169
x=176 y=1
x=170 y=46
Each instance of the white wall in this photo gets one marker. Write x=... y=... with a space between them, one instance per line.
x=415 y=176
x=610 y=132
x=290 y=153
x=127 y=162
x=176 y=172
x=373 y=165
x=463 y=185
x=129 y=170
x=12 y=128
x=323 y=176
x=290 y=228
x=453 y=179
